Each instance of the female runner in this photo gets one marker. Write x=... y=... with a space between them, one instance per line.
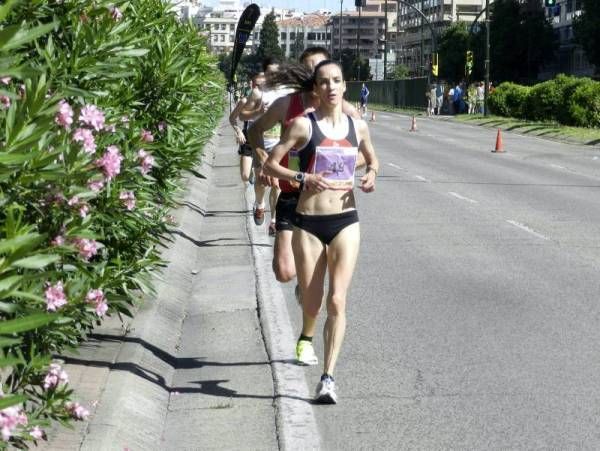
x=326 y=233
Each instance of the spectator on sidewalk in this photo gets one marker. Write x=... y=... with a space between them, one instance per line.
x=439 y=98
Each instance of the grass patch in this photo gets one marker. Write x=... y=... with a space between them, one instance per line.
x=551 y=130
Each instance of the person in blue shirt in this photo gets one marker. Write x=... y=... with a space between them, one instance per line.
x=364 y=94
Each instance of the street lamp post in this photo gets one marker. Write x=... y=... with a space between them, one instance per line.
x=385 y=36
x=340 y=30
x=486 y=91
x=359 y=2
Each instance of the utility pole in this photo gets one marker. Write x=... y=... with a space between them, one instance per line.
x=359 y=2
x=385 y=45
x=486 y=91
x=340 y=29
x=422 y=62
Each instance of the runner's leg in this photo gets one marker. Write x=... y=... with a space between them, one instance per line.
x=311 y=263
x=283 y=257
x=342 y=254
x=245 y=168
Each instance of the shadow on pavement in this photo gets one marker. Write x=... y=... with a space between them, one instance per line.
x=209 y=243
x=209 y=387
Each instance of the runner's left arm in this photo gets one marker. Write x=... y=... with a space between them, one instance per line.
x=365 y=147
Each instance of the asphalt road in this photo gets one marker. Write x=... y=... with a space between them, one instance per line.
x=474 y=314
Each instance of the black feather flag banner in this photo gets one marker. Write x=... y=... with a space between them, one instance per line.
x=242 y=33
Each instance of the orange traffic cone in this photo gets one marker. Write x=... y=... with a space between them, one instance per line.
x=372 y=116
x=413 y=125
x=499 y=146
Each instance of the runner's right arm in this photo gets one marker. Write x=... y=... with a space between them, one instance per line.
x=233 y=117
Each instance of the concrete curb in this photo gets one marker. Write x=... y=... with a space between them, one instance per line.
x=132 y=409
x=296 y=425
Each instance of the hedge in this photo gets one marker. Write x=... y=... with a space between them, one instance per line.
x=103 y=105
x=565 y=99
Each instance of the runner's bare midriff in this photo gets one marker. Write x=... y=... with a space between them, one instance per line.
x=328 y=202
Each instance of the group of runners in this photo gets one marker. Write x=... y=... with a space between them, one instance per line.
x=303 y=141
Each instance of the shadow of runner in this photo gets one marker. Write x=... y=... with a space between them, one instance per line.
x=209 y=243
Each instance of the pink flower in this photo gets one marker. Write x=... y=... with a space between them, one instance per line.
x=56 y=375
x=58 y=240
x=96 y=185
x=128 y=199
x=5 y=80
x=115 y=13
x=87 y=138
x=36 y=433
x=22 y=90
x=146 y=161
x=146 y=136
x=73 y=201
x=5 y=102
x=110 y=128
x=64 y=116
x=97 y=298
x=92 y=116
x=55 y=296
x=76 y=410
x=10 y=418
x=162 y=125
x=110 y=162
x=84 y=209
x=87 y=248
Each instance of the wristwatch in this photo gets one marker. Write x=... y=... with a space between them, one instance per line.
x=299 y=177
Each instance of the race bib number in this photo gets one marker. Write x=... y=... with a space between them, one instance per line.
x=338 y=164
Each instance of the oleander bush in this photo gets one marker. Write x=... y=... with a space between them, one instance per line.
x=565 y=99
x=508 y=99
x=103 y=105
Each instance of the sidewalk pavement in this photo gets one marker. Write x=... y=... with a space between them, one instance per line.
x=192 y=369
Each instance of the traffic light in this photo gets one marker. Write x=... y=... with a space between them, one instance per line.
x=469 y=64
x=434 y=65
x=549 y=3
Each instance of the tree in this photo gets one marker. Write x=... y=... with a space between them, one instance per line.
x=453 y=46
x=269 y=39
x=400 y=72
x=521 y=40
x=297 y=46
x=587 y=31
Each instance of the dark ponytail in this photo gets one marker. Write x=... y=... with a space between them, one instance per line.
x=292 y=76
x=296 y=77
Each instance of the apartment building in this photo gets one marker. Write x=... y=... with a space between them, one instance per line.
x=414 y=43
x=309 y=30
x=366 y=27
x=570 y=57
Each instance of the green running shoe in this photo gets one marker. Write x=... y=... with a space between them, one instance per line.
x=305 y=353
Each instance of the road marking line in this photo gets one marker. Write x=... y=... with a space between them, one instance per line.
x=423 y=179
x=458 y=196
x=395 y=166
x=557 y=166
x=525 y=228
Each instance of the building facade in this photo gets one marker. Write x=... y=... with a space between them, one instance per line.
x=570 y=57
x=367 y=28
x=298 y=33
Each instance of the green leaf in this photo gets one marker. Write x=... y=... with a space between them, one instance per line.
x=5 y=342
x=26 y=323
x=8 y=307
x=5 y=9
x=15 y=158
x=10 y=361
x=36 y=261
x=10 y=282
x=15 y=35
x=131 y=52
x=11 y=401
x=20 y=241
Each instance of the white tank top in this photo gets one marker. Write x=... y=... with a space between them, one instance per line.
x=271 y=136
